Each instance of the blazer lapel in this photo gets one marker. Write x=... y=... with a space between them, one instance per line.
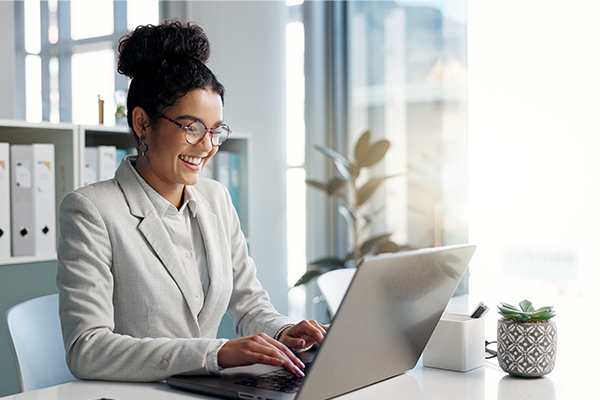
x=152 y=229
x=208 y=222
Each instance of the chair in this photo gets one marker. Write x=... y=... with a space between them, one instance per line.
x=333 y=286
x=35 y=337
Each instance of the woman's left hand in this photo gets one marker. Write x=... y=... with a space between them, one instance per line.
x=303 y=335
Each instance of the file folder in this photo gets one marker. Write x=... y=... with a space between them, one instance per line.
x=5 y=227
x=44 y=197
x=107 y=162
x=90 y=170
x=33 y=200
x=21 y=193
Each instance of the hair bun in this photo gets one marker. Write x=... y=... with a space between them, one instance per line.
x=152 y=49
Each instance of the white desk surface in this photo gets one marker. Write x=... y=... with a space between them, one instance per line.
x=575 y=376
x=487 y=382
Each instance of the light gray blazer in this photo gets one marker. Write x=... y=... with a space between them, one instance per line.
x=127 y=309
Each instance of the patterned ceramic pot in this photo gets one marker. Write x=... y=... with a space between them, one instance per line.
x=527 y=348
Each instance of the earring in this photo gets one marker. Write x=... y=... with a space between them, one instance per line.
x=142 y=159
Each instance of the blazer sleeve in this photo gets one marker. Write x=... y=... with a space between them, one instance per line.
x=85 y=282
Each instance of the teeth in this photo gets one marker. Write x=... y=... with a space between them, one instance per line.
x=191 y=160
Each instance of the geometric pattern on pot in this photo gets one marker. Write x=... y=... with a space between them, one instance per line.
x=527 y=348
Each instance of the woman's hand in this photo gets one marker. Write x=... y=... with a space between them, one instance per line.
x=303 y=335
x=259 y=349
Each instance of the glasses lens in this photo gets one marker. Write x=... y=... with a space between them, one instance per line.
x=195 y=132
x=219 y=135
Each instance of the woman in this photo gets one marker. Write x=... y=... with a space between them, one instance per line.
x=147 y=263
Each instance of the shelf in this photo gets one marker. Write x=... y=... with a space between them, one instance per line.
x=70 y=141
x=26 y=260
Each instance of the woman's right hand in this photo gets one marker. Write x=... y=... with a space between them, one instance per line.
x=259 y=349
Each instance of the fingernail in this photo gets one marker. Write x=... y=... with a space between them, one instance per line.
x=300 y=343
x=299 y=372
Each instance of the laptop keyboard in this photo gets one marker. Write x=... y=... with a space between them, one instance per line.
x=280 y=381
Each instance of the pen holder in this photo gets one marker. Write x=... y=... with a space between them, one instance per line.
x=457 y=344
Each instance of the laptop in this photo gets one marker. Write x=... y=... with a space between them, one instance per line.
x=391 y=308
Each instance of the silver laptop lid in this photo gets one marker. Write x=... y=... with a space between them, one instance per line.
x=388 y=314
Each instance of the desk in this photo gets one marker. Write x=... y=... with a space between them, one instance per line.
x=574 y=377
x=488 y=383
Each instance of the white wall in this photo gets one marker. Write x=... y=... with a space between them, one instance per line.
x=248 y=57
x=7 y=60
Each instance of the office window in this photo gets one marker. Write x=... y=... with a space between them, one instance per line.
x=408 y=84
x=533 y=126
x=295 y=141
x=67 y=51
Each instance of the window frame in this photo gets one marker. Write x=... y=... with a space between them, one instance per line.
x=64 y=49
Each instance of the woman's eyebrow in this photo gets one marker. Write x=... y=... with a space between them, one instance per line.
x=193 y=118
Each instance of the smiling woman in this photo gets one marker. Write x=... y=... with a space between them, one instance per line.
x=151 y=260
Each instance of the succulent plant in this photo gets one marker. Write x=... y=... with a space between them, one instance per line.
x=527 y=313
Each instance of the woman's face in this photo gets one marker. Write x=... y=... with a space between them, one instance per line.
x=172 y=160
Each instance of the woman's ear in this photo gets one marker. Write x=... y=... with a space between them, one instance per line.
x=140 y=120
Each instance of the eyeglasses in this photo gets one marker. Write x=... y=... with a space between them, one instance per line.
x=195 y=132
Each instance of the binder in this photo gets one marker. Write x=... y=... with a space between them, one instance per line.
x=227 y=167
x=44 y=198
x=21 y=194
x=5 y=227
x=107 y=162
x=100 y=163
x=33 y=200
x=90 y=169
x=234 y=179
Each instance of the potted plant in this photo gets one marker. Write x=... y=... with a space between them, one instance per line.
x=354 y=198
x=527 y=339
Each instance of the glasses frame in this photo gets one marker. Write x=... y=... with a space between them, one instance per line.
x=206 y=130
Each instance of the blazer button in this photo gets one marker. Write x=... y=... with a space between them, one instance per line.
x=164 y=364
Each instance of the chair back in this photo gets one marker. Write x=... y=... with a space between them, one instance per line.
x=333 y=285
x=36 y=340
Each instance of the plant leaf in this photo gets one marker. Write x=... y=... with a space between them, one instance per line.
x=344 y=171
x=350 y=215
x=334 y=185
x=526 y=306
x=307 y=277
x=328 y=263
x=510 y=307
x=390 y=247
x=367 y=190
x=362 y=147
x=375 y=153
x=334 y=155
x=318 y=185
x=369 y=244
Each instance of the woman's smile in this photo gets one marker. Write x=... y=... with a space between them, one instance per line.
x=191 y=159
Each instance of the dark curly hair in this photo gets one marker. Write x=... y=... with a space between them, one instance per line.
x=164 y=62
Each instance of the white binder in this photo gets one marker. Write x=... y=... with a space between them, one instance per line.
x=33 y=200
x=44 y=197
x=5 y=227
x=107 y=162
x=90 y=171
x=21 y=194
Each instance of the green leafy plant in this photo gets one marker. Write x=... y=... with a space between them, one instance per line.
x=354 y=198
x=527 y=313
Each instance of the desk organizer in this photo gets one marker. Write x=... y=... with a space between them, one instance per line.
x=457 y=344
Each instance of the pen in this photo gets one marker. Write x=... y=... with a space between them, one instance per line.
x=480 y=311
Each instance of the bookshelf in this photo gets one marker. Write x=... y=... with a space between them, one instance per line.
x=70 y=141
